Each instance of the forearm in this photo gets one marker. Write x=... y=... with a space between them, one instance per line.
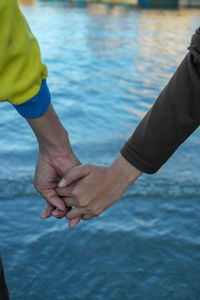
x=50 y=133
x=55 y=158
x=173 y=117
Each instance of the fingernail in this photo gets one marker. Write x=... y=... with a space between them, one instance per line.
x=62 y=183
x=71 y=225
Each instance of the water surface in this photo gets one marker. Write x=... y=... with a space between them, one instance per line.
x=106 y=67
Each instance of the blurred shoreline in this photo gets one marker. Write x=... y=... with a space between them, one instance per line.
x=150 y=4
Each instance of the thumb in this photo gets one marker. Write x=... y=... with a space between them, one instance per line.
x=74 y=174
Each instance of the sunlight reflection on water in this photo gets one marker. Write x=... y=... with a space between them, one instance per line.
x=106 y=67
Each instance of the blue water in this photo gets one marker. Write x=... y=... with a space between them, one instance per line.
x=106 y=67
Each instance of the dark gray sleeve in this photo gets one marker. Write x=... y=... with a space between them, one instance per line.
x=172 y=118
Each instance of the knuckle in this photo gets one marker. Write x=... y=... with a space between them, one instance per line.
x=75 y=192
x=85 y=202
x=81 y=201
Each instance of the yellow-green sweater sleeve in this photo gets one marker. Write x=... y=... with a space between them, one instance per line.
x=22 y=73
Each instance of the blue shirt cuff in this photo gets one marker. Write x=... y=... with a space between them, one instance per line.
x=36 y=106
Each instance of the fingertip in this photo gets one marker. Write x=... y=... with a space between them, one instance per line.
x=58 y=214
x=54 y=214
x=70 y=225
x=74 y=222
x=61 y=206
x=45 y=215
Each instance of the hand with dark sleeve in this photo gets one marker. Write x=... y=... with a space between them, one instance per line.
x=170 y=121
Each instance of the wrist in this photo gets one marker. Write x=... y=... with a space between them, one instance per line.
x=61 y=156
x=123 y=172
x=50 y=134
x=54 y=142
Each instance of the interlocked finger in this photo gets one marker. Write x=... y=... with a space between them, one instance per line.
x=76 y=212
x=60 y=214
x=65 y=191
x=69 y=201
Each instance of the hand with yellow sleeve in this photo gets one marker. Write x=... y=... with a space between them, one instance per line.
x=23 y=84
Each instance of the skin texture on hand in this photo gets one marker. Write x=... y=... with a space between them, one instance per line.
x=98 y=187
x=55 y=158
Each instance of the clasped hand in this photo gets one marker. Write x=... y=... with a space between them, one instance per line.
x=65 y=184
x=91 y=189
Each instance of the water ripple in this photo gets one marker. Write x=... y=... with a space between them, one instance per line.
x=106 y=67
